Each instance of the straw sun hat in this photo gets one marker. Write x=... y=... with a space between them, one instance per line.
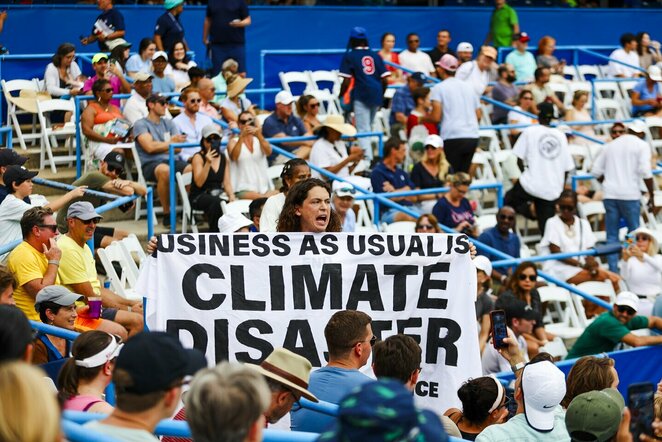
x=337 y=122
x=237 y=85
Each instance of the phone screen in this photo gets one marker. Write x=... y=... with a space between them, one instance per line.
x=640 y=399
x=499 y=328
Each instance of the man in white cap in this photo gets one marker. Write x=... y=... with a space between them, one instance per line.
x=455 y=105
x=161 y=83
x=539 y=389
x=465 y=52
x=342 y=201
x=281 y=123
x=621 y=166
x=614 y=328
x=478 y=72
x=646 y=94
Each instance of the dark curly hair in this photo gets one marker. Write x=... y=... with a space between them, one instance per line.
x=289 y=221
x=477 y=397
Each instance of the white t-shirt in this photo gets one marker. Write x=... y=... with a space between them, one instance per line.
x=643 y=278
x=545 y=152
x=249 y=171
x=271 y=212
x=11 y=212
x=624 y=162
x=569 y=239
x=135 y=108
x=631 y=58
x=458 y=109
x=417 y=61
x=470 y=73
x=324 y=154
x=181 y=77
x=518 y=118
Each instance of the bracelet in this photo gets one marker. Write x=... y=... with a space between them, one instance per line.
x=54 y=262
x=517 y=367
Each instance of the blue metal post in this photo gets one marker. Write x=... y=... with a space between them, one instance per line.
x=78 y=137
x=173 y=199
x=149 y=196
x=380 y=145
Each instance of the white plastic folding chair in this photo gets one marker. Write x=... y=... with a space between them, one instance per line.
x=485 y=222
x=562 y=92
x=236 y=206
x=609 y=109
x=598 y=288
x=400 y=227
x=50 y=133
x=588 y=71
x=188 y=214
x=273 y=172
x=134 y=255
x=14 y=111
x=654 y=125
x=556 y=348
x=608 y=89
x=593 y=212
x=321 y=80
x=570 y=73
x=120 y=284
x=301 y=81
x=561 y=311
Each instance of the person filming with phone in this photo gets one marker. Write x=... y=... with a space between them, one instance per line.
x=521 y=319
x=211 y=177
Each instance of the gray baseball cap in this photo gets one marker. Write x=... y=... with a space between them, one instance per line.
x=83 y=210
x=57 y=294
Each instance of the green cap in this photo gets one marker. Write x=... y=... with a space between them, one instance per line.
x=169 y=4
x=595 y=413
x=98 y=57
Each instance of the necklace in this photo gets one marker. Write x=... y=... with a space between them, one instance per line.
x=569 y=230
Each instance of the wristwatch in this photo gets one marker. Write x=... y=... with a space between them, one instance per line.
x=517 y=367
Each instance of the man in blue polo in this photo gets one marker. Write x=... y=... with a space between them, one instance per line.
x=403 y=102
x=369 y=73
x=108 y=26
x=281 y=123
x=387 y=177
x=169 y=29
x=503 y=238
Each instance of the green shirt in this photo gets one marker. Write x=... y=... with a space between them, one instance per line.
x=94 y=181
x=603 y=334
x=501 y=26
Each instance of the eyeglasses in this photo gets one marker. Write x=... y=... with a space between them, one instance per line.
x=195 y=100
x=161 y=102
x=617 y=132
x=51 y=227
x=425 y=227
x=642 y=238
x=115 y=169
x=531 y=278
x=107 y=90
x=625 y=309
x=249 y=121
x=506 y=217
x=565 y=208
x=313 y=105
x=87 y=222
x=526 y=97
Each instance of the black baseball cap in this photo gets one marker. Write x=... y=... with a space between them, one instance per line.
x=155 y=360
x=155 y=97
x=9 y=157
x=516 y=308
x=115 y=159
x=418 y=76
x=545 y=110
x=17 y=174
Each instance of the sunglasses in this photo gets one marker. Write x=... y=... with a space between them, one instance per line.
x=372 y=341
x=87 y=222
x=625 y=309
x=108 y=90
x=249 y=121
x=115 y=169
x=161 y=102
x=505 y=403
x=195 y=100
x=51 y=227
x=565 y=208
x=314 y=105
x=642 y=238
x=425 y=227
x=617 y=132
x=531 y=278
x=413 y=41
x=506 y=217
x=526 y=98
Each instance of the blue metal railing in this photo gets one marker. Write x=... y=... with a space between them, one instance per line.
x=7 y=130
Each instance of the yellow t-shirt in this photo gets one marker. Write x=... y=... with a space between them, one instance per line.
x=76 y=265
x=27 y=264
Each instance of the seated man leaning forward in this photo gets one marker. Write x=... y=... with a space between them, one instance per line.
x=281 y=123
x=35 y=263
x=77 y=270
x=614 y=328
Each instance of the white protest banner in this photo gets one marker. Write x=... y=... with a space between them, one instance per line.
x=239 y=296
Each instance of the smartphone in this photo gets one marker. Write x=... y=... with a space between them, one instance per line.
x=640 y=402
x=499 y=328
x=629 y=239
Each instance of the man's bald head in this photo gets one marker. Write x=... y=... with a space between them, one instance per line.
x=206 y=89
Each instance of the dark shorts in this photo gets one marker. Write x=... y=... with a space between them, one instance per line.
x=109 y=314
x=148 y=169
x=100 y=232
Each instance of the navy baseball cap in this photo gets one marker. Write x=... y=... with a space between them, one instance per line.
x=418 y=76
x=358 y=32
x=9 y=157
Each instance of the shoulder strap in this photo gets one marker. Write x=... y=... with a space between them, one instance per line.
x=88 y=406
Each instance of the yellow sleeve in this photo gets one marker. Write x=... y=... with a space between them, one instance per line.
x=72 y=263
x=24 y=265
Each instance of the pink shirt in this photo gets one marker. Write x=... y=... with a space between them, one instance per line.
x=115 y=83
x=81 y=402
x=209 y=110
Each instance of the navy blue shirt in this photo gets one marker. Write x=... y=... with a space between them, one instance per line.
x=398 y=179
x=509 y=245
x=170 y=30
x=114 y=20
x=367 y=68
x=220 y=14
x=402 y=102
x=292 y=128
x=4 y=191
x=451 y=216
